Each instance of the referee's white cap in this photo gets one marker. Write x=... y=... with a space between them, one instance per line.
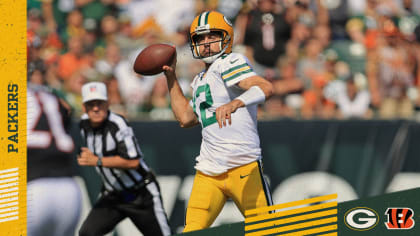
x=94 y=91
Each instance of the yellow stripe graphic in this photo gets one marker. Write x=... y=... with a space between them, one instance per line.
x=294 y=227
x=291 y=219
x=291 y=204
x=290 y=212
x=236 y=71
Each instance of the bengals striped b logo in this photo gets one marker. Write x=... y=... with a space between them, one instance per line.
x=400 y=218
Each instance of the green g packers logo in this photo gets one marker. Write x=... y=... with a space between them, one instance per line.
x=361 y=218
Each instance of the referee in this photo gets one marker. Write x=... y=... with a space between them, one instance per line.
x=129 y=187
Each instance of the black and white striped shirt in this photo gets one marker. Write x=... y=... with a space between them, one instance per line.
x=115 y=137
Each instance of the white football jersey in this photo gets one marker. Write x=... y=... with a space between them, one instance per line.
x=232 y=145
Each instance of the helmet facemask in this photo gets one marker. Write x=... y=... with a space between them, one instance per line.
x=223 y=45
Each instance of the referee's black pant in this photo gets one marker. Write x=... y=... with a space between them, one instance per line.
x=143 y=207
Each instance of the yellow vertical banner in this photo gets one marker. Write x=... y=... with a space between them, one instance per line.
x=13 y=117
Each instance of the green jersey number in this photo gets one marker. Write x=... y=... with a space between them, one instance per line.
x=205 y=105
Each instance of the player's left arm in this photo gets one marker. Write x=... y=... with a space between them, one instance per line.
x=256 y=91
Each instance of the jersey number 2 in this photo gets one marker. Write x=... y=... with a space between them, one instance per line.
x=205 y=105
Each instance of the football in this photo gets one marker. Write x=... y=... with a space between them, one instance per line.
x=151 y=59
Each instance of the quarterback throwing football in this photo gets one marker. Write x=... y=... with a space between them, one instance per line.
x=225 y=99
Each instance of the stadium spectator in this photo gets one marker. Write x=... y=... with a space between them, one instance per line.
x=73 y=60
x=287 y=89
x=91 y=35
x=288 y=82
x=124 y=38
x=274 y=109
x=352 y=50
x=390 y=75
x=106 y=65
x=109 y=28
x=35 y=23
x=51 y=77
x=115 y=100
x=55 y=13
x=265 y=36
x=351 y=97
x=36 y=72
x=72 y=90
x=311 y=69
x=74 y=26
x=323 y=34
x=158 y=104
x=299 y=36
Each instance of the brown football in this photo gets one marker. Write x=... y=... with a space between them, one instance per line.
x=151 y=59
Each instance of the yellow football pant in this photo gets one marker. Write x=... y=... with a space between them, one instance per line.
x=244 y=185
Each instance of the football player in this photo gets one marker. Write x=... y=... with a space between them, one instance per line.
x=225 y=99
x=54 y=197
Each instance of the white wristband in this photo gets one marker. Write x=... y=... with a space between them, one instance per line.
x=252 y=96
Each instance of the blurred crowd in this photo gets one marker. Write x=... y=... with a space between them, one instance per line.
x=327 y=59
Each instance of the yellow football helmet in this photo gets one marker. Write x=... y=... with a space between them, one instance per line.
x=211 y=21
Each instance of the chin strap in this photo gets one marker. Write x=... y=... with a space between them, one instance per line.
x=211 y=59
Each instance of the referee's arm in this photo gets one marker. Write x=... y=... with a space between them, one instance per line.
x=87 y=158
x=127 y=157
